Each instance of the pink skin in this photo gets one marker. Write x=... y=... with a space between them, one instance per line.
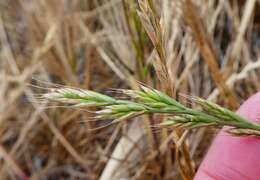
x=234 y=158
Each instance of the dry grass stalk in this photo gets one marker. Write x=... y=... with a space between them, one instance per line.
x=156 y=31
x=151 y=22
x=98 y=44
x=207 y=49
x=233 y=56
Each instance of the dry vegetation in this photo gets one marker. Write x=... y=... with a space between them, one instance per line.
x=204 y=48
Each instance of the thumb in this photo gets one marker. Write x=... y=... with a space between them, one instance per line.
x=234 y=157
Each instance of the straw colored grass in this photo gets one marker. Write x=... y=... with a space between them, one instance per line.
x=210 y=52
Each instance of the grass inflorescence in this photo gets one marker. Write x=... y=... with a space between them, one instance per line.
x=148 y=100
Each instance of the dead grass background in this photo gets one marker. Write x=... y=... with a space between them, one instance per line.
x=203 y=48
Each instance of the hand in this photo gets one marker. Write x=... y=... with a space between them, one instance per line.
x=234 y=158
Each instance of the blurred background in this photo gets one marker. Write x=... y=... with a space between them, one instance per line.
x=204 y=48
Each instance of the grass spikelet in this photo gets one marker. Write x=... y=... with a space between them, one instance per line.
x=78 y=97
x=148 y=100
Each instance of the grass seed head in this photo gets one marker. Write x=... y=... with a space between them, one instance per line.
x=148 y=100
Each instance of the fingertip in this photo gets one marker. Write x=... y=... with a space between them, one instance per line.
x=250 y=109
x=234 y=157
